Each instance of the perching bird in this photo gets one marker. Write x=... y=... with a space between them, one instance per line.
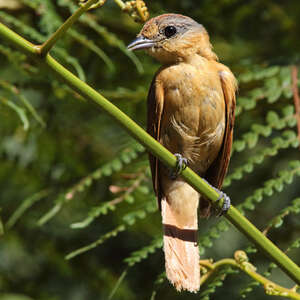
x=191 y=105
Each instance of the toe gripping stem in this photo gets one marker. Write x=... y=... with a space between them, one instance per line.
x=180 y=166
x=226 y=202
x=222 y=195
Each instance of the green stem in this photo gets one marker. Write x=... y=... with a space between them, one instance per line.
x=253 y=234
x=270 y=287
x=47 y=46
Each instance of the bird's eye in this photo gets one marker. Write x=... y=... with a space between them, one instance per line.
x=170 y=31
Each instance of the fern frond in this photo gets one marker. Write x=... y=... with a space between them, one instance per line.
x=123 y=93
x=278 y=220
x=98 y=242
x=129 y=219
x=12 y=89
x=148 y=207
x=38 y=37
x=272 y=185
x=259 y=73
x=273 y=121
x=206 y=240
x=294 y=245
x=288 y=139
x=139 y=255
x=276 y=82
x=22 y=27
x=104 y=208
x=253 y=284
x=20 y=111
x=25 y=205
x=215 y=282
x=125 y=157
x=94 y=48
x=109 y=37
x=15 y=57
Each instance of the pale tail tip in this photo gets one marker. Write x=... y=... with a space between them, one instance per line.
x=190 y=288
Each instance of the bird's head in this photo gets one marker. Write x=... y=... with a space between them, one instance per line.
x=172 y=37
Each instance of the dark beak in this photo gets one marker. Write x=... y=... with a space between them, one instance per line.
x=140 y=43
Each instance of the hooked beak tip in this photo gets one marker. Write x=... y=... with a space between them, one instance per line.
x=140 y=43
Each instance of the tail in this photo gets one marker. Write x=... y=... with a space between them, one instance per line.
x=180 y=246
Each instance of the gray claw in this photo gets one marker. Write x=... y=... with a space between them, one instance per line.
x=180 y=166
x=226 y=202
x=222 y=195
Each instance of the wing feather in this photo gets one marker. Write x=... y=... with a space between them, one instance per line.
x=154 y=114
x=217 y=171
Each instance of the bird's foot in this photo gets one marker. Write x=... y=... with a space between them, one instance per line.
x=180 y=166
x=226 y=202
x=222 y=195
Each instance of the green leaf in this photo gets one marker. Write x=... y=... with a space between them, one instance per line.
x=271 y=71
x=288 y=110
x=272 y=117
x=292 y=122
x=294 y=164
x=262 y=130
x=106 y=170
x=268 y=190
x=14 y=297
x=279 y=186
x=258 y=195
x=222 y=226
x=289 y=134
x=248 y=205
x=257 y=93
x=248 y=103
x=272 y=83
x=143 y=189
x=246 y=77
x=129 y=199
x=251 y=138
x=19 y=110
x=274 y=94
x=97 y=174
x=206 y=242
x=116 y=165
x=248 y=167
x=258 y=159
x=239 y=145
x=214 y=233
x=237 y=174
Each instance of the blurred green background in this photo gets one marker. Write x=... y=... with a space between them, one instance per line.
x=71 y=177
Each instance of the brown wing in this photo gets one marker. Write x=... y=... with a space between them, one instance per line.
x=154 y=113
x=217 y=171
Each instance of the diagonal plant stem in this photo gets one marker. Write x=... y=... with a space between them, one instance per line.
x=47 y=46
x=233 y=215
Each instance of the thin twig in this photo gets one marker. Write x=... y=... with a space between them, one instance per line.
x=296 y=97
x=130 y=190
x=47 y=46
x=241 y=262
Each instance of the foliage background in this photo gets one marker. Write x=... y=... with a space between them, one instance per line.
x=63 y=162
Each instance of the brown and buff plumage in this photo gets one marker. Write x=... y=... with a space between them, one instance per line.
x=191 y=105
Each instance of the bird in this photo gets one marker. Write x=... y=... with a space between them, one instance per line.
x=190 y=111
